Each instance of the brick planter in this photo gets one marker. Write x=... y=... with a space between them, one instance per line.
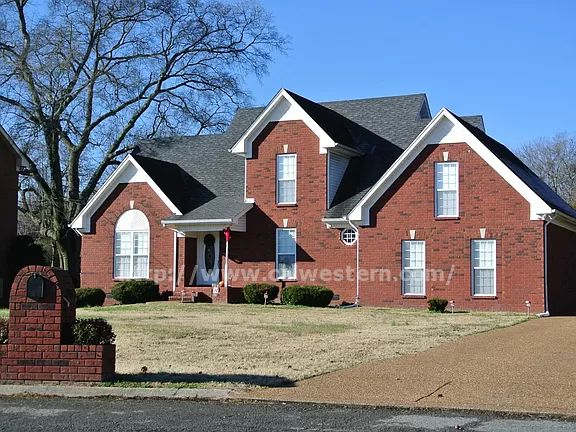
x=39 y=329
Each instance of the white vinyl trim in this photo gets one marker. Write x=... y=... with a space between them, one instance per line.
x=411 y=267
x=278 y=230
x=281 y=107
x=21 y=158
x=479 y=268
x=445 y=128
x=81 y=222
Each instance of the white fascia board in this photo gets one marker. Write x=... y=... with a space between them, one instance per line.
x=564 y=221
x=196 y=221
x=233 y=220
x=81 y=222
x=282 y=107
x=444 y=128
x=20 y=157
x=336 y=222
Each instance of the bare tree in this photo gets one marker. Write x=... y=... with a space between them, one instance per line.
x=82 y=79
x=554 y=160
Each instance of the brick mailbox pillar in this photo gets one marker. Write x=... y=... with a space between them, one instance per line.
x=40 y=347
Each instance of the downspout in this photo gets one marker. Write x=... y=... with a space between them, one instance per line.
x=175 y=263
x=355 y=228
x=548 y=218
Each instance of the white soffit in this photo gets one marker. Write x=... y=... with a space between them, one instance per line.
x=281 y=108
x=129 y=171
x=445 y=128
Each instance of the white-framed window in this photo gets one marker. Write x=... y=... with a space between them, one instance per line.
x=286 y=179
x=131 y=246
x=483 y=267
x=348 y=236
x=286 y=253
x=446 y=189
x=413 y=267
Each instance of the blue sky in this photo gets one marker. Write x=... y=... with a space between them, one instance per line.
x=512 y=61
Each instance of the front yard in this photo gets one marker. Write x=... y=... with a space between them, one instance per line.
x=256 y=345
x=249 y=344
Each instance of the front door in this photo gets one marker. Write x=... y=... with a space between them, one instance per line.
x=208 y=258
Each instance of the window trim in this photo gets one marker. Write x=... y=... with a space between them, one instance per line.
x=423 y=293
x=457 y=190
x=348 y=230
x=472 y=269
x=131 y=222
x=277 y=270
x=295 y=180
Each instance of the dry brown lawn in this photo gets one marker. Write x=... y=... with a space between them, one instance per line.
x=251 y=344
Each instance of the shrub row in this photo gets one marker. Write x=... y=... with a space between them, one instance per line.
x=90 y=297
x=3 y=330
x=93 y=331
x=436 y=304
x=307 y=295
x=254 y=293
x=136 y=291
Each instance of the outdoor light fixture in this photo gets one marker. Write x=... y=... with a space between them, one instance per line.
x=35 y=286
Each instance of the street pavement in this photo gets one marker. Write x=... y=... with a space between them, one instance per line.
x=122 y=415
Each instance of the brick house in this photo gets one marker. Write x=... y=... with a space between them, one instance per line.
x=11 y=160
x=374 y=198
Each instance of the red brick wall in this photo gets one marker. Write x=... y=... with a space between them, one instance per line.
x=98 y=246
x=39 y=333
x=8 y=197
x=318 y=247
x=486 y=201
x=561 y=274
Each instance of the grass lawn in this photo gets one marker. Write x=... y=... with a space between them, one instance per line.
x=237 y=345
x=257 y=345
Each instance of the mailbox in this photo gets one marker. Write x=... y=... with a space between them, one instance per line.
x=35 y=287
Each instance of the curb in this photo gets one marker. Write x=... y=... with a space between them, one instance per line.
x=119 y=392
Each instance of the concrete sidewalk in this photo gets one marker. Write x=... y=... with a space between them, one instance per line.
x=81 y=391
x=530 y=367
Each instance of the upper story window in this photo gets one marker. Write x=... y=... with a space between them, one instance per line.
x=286 y=179
x=484 y=267
x=446 y=189
x=413 y=267
x=131 y=246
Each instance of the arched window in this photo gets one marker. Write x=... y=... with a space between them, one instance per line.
x=131 y=246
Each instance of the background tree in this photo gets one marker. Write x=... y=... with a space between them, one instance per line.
x=554 y=160
x=80 y=80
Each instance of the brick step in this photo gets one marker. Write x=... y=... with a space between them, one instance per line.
x=192 y=294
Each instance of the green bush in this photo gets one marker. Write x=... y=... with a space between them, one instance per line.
x=307 y=295
x=3 y=330
x=94 y=331
x=437 y=304
x=90 y=297
x=254 y=293
x=136 y=291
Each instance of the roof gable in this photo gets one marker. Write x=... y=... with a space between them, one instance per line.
x=448 y=128
x=129 y=171
x=282 y=107
x=20 y=157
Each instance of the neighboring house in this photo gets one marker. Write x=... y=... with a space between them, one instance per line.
x=11 y=160
x=443 y=210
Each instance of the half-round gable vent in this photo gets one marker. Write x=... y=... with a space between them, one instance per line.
x=132 y=220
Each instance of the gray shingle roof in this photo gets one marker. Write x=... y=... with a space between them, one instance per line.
x=520 y=169
x=194 y=170
x=380 y=128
